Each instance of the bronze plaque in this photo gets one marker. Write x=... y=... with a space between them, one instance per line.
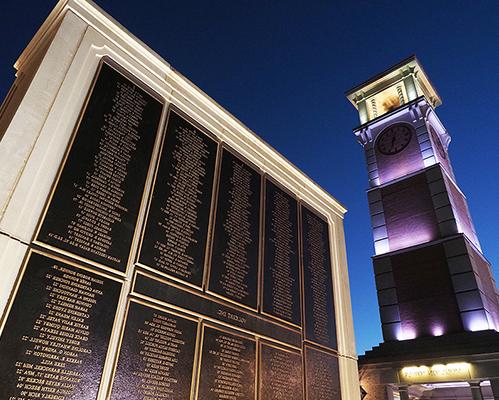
x=322 y=375
x=177 y=225
x=281 y=375
x=156 y=357
x=194 y=301
x=320 y=325
x=281 y=277
x=55 y=339
x=228 y=364
x=95 y=204
x=234 y=263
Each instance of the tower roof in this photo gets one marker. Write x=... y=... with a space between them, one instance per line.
x=379 y=82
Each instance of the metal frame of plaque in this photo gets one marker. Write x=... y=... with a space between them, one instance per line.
x=228 y=331
x=261 y=371
x=157 y=290
x=307 y=348
x=106 y=60
x=226 y=148
x=270 y=179
x=66 y=331
x=332 y=314
x=164 y=309
x=209 y=229
x=172 y=295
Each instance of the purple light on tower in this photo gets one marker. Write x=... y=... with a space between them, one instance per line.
x=476 y=321
x=437 y=330
x=406 y=334
x=410 y=235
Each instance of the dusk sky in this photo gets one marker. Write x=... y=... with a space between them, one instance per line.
x=282 y=68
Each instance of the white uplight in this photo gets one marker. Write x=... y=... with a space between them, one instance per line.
x=406 y=334
x=438 y=330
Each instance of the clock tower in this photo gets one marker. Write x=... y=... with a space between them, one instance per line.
x=432 y=279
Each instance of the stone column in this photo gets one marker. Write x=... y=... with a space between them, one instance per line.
x=404 y=393
x=476 y=391
x=494 y=384
x=410 y=87
x=363 y=115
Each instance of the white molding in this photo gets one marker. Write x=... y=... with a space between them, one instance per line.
x=12 y=253
x=22 y=133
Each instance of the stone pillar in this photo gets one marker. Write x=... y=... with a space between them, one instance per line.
x=363 y=115
x=410 y=88
x=476 y=391
x=404 y=393
x=494 y=384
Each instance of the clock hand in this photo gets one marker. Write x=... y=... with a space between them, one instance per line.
x=393 y=142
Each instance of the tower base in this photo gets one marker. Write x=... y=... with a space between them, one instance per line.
x=456 y=366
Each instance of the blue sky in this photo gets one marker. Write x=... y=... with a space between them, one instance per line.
x=282 y=68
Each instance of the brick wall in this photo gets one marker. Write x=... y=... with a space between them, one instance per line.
x=409 y=213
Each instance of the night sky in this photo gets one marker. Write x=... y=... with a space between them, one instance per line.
x=282 y=68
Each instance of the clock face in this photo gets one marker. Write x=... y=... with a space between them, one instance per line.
x=438 y=143
x=394 y=139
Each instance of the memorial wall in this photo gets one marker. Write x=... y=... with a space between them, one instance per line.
x=151 y=253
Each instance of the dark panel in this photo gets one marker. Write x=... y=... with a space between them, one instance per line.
x=281 y=279
x=234 y=263
x=425 y=293
x=227 y=366
x=156 y=357
x=95 y=205
x=421 y=273
x=322 y=375
x=280 y=374
x=320 y=326
x=177 y=225
x=56 y=335
x=189 y=301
